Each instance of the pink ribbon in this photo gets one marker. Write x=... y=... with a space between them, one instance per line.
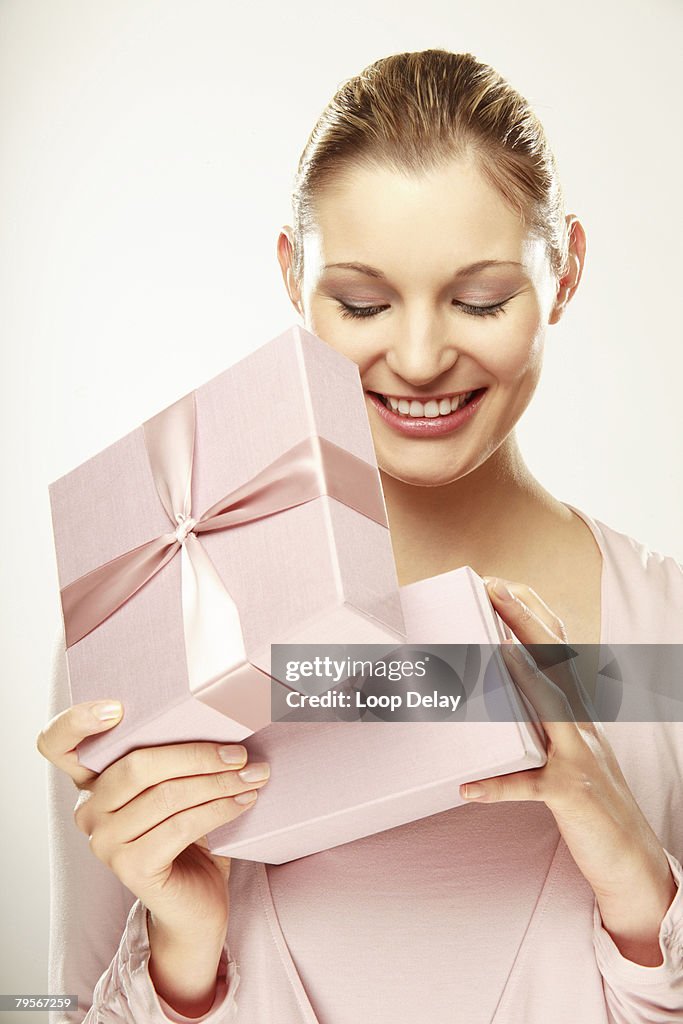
x=213 y=634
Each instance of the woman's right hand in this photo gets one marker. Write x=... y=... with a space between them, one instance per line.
x=148 y=813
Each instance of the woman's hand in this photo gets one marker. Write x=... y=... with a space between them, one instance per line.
x=582 y=784
x=147 y=816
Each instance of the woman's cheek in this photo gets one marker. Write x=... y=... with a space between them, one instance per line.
x=342 y=337
x=515 y=350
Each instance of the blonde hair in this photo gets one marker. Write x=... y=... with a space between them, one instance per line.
x=416 y=111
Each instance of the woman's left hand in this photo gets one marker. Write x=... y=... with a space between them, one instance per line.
x=599 y=819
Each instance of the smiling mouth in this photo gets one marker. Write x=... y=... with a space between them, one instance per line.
x=432 y=408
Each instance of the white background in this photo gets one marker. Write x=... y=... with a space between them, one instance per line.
x=148 y=151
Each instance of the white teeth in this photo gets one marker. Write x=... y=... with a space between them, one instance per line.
x=430 y=409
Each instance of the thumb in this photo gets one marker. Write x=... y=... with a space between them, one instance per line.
x=58 y=740
x=222 y=863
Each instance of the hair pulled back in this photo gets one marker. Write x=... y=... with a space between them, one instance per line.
x=414 y=112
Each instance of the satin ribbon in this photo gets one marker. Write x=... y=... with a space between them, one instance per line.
x=213 y=635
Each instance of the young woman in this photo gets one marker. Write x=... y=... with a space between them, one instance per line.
x=431 y=246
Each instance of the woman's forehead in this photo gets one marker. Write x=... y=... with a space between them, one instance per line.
x=383 y=218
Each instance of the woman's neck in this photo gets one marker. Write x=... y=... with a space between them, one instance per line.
x=485 y=519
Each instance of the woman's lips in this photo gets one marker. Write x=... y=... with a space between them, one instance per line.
x=427 y=426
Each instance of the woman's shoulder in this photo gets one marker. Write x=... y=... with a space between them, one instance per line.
x=642 y=593
x=642 y=588
x=639 y=557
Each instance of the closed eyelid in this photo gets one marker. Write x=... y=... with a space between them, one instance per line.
x=479 y=298
x=468 y=293
x=365 y=312
x=486 y=300
x=363 y=300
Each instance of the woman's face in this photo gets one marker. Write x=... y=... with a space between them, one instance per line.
x=448 y=294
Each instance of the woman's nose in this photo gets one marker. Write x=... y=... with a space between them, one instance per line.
x=421 y=355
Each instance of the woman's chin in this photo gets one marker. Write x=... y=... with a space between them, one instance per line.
x=422 y=475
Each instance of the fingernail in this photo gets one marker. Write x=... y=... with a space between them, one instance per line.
x=502 y=591
x=246 y=798
x=473 y=789
x=255 y=772
x=106 y=710
x=232 y=754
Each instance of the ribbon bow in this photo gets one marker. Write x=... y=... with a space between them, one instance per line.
x=213 y=635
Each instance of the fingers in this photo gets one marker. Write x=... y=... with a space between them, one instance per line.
x=549 y=701
x=527 y=615
x=58 y=740
x=524 y=785
x=169 y=798
x=143 y=861
x=544 y=636
x=148 y=766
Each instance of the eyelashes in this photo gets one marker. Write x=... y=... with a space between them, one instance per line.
x=361 y=312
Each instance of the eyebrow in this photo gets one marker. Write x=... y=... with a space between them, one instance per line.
x=468 y=271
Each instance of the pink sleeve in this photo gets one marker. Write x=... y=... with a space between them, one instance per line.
x=98 y=941
x=636 y=994
x=125 y=993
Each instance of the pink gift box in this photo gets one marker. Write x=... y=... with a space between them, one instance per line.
x=179 y=622
x=335 y=781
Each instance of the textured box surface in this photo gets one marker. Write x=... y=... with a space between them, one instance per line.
x=333 y=782
x=321 y=570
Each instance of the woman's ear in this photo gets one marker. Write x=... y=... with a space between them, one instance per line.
x=285 y=256
x=569 y=281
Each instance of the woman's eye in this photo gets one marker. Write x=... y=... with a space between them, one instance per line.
x=365 y=311
x=359 y=311
x=493 y=310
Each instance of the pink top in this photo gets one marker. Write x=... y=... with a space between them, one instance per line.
x=476 y=915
